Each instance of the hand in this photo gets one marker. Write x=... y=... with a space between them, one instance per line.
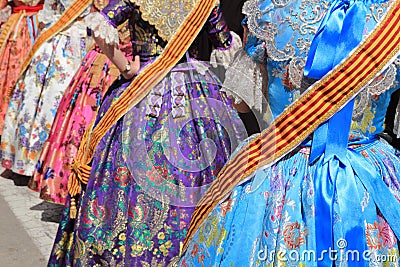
x=242 y=107
x=41 y=27
x=245 y=35
x=135 y=66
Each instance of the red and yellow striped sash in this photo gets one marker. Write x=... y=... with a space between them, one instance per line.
x=138 y=89
x=69 y=16
x=303 y=117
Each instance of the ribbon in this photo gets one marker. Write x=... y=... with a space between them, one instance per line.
x=341 y=183
x=334 y=181
x=339 y=33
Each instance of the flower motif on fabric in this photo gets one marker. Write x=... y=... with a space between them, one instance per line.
x=71 y=152
x=294 y=237
x=386 y=234
x=157 y=175
x=210 y=234
x=372 y=234
x=122 y=176
x=49 y=173
x=43 y=136
x=96 y=211
x=142 y=236
x=226 y=207
x=40 y=68
x=137 y=213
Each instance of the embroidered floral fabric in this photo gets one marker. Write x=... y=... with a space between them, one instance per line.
x=285 y=31
x=270 y=218
x=141 y=192
x=38 y=91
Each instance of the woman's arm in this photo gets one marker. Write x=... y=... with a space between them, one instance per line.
x=117 y=57
x=104 y=25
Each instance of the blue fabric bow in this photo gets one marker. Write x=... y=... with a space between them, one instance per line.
x=342 y=174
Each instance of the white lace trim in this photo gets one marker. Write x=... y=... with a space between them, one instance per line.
x=47 y=16
x=379 y=85
x=245 y=80
x=253 y=13
x=5 y=13
x=296 y=70
x=102 y=28
x=224 y=57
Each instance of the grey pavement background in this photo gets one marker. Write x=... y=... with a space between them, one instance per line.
x=28 y=226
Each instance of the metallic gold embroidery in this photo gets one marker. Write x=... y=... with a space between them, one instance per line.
x=100 y=4
x=165 y=15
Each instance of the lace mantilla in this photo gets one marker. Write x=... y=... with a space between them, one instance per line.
x=245 y=80
x=253 y=13
x=102 y=28
x=166 y=16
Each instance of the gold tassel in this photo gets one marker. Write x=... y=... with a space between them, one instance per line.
x=180 y=249
x=72 y=209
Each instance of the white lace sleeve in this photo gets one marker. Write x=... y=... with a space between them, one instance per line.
x=5 y=13
x=245 y=80
x=50 y=12
x=47 y=16
x=102 y=28
x=53 y=10
x=224 y=57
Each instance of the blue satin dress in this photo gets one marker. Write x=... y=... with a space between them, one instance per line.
x=333 y=201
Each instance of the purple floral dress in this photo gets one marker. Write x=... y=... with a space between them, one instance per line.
x=153 y=165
